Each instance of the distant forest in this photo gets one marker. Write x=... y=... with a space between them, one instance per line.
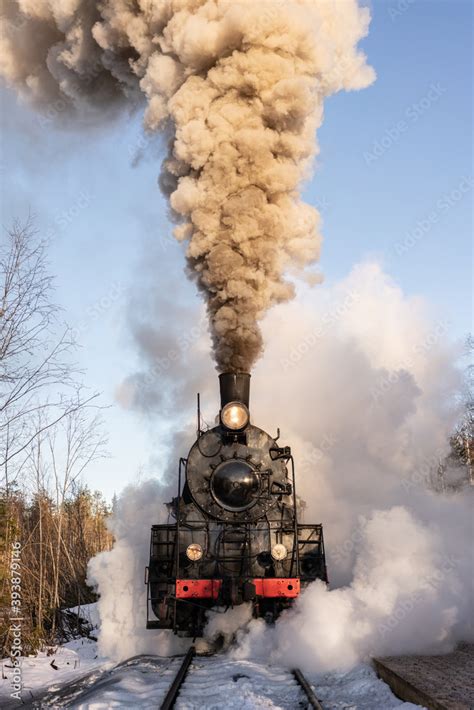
x=55 y=544
x=51 y=431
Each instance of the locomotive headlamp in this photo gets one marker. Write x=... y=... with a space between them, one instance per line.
x=279 y=552
x=194 y=552
x=235 y=416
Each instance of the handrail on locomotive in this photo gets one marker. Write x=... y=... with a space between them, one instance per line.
x=235 y=536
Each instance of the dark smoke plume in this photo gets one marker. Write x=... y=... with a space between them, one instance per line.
x=242 y=85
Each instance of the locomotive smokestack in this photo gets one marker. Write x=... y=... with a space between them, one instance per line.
x=235 y=387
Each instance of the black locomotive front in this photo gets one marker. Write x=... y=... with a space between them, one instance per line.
x=236 y=536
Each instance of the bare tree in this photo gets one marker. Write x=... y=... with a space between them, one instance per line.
x=50 y=431
x=36 y=369
x=73 y=444
x=51 y=582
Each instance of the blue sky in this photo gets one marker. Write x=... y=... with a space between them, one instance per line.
x=393 y=181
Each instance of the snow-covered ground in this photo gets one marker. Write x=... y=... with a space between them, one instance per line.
x=56 y=666
x=65 y=663
x=245 y=685
x=356 y=689
x=211 y=684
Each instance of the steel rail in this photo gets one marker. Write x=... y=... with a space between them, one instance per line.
x=303 y=683
x=178 y=681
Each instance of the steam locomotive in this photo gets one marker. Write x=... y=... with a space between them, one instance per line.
x=234 y=534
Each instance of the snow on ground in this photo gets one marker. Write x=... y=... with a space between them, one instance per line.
x=357 y=689
x=57 y=666
x=74 y=658
x=216 y=683
x=212 y=683
x=245 y=685
x=139 y=683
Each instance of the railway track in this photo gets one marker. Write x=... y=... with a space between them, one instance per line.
x=193 y=686
x=192 y=682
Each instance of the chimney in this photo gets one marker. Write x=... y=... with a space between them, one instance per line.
x=235 y=387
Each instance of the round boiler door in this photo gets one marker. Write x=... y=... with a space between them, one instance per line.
x=235 y=485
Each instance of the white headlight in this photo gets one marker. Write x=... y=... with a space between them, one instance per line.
x=194 y=552
x=235 y=416
x=279 y=552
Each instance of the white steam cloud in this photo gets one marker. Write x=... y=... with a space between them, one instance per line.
x=120 y=577
x=366 y=402
x=240 y=87
x=409 y=593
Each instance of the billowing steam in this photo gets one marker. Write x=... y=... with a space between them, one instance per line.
x=240 y=87
x=123 y=596
x=365 y=401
